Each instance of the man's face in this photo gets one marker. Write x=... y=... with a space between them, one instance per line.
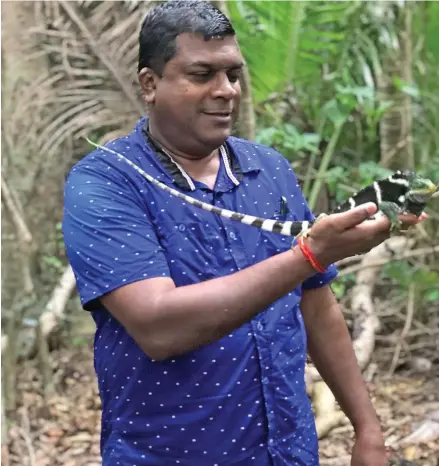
x=196 y=100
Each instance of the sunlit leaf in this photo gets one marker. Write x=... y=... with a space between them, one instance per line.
x=286 y=42
x=335 y=112
x=407 y=88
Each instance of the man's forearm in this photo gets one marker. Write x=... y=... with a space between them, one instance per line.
x=331 y=350
x=184 y=318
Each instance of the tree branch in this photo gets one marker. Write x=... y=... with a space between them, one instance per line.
x=406 y=328
x=122 y=80
x=27 y=246
x=397 y=257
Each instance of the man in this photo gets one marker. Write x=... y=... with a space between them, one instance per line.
x=200 y=343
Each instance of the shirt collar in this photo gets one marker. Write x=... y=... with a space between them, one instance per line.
x=245 y=154
x=234 y=163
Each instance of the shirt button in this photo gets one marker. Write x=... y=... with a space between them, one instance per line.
x=182 y=227
x=265 y=380
x=260 y=326
x=232 y=235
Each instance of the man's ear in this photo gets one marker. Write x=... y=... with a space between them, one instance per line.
x=147 y=80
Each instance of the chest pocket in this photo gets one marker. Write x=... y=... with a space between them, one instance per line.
x=191 y=247
x=274 y=243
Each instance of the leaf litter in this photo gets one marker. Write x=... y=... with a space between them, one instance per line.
x=61 y=427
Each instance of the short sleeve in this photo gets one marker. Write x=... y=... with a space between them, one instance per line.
x=319 y=279
x=109 y=237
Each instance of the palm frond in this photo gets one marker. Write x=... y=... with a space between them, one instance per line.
x=288 y=42
x=91 y=78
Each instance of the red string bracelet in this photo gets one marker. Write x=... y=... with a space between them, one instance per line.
x=310 y=257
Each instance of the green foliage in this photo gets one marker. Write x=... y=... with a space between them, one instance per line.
x=54 y=263
x=425 y=281
x=333 y=62
x=329 y=126
x=79 y=341
x=343 y=283
x=288 y=139
x=287 y=41
x=267 y=29
x=53 y=260
x=59 y=236
x=334 y=115
x=426 y=22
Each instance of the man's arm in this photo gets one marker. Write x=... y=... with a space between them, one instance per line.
x=331 y=350
x=166 y=320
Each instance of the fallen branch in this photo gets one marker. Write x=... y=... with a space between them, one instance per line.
x=27 y=247
x=52 y=314
x=44 y=360
x=4 y=433
x=14 y=209
x=406 y=328
x=54 y=311
x=26 y=434
x=326 y=414
x=349 y=260
x=361 y=302
x=426 y=431
x=339 y=461
x=366 y=324
x=396 y=257
x=5 y=342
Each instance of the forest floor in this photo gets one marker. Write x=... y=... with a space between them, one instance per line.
x=62 y=428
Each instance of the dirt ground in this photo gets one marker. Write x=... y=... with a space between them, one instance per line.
x=62 y=429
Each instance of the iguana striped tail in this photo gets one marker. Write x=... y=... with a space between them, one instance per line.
x=287 y=228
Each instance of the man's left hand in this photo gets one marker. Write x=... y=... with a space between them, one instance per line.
x=369 y=450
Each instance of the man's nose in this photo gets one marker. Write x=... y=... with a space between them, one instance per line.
x=223 y=87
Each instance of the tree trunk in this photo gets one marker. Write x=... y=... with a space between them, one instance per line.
x=396 y=124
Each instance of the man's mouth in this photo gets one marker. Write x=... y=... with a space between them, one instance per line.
x=219 y=114
x=221 y=118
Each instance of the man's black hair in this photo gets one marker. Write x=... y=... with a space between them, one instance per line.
x=167 y=20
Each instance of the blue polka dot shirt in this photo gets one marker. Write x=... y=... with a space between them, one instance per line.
x=238 y=401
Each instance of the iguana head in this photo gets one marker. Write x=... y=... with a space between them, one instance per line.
x=420 y=189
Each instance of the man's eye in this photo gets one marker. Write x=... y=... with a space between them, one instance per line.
x=233 y=78
x=234 y=75
x=202 y=75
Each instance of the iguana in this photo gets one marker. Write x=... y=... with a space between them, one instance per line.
x=403 y=191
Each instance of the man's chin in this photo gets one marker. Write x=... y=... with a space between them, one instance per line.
x=215 y=134
x=217 y=138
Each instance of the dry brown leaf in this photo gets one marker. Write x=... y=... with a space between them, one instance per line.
x=410 y=453
x=427 y=431
x=55 y=432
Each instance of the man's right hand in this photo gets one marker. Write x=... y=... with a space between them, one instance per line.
x=346 y=234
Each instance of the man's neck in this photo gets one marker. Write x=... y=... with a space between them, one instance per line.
x=176 y=150
x=203 y=168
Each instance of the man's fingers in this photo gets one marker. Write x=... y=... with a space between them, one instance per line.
x=412 y=219
x=357 y=215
